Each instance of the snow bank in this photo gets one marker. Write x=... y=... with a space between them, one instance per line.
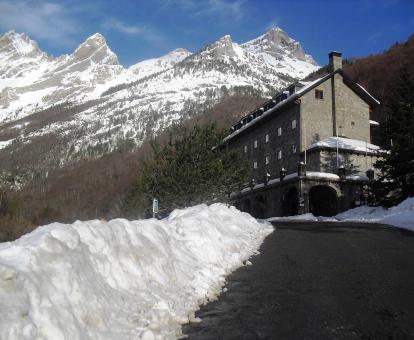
x=303 y=217
x=121 y=279
x=401 y=216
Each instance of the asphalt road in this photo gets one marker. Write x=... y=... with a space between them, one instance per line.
x=318 y=281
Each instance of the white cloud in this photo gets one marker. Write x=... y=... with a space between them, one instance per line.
x=223 y=9
x=113 y=24
x=229 y=9
x=45 y=20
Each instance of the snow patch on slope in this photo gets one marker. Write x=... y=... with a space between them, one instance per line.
x=155 y=65
x=121 y=279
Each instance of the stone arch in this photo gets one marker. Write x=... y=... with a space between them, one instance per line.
x=290 y=202
x=323 y=200
x=258 y=206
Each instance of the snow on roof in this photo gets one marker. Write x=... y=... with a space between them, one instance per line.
x=315 y=174
x=363 y=89
x=373 y=123
x=299 y=91
x=5 y=143
x=346 y=144
x=306 y=86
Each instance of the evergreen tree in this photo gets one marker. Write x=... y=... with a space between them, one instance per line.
x=191 y=168
x=397 y=166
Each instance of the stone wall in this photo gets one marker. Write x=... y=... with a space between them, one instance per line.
x=324 y=160
x=352 y=113
x=294 y=196
x=317 y=115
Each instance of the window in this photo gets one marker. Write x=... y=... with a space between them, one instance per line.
x=293 y=148
x=267 y=138
x=279 y=154
x=254 y=165
x=267 y=160
x=279 y=131
x=245 y=149
x=318 y=94
x=255 y=144
x=294 y=124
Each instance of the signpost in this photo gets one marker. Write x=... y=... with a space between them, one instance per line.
x=154 y=207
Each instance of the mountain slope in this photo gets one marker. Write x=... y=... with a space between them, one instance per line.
x=155 y=65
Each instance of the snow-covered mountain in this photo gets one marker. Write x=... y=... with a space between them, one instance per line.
x=155 y=65
x=278 y=49
x=92 y=103
x=31 y=80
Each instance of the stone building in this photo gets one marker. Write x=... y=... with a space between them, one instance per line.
x=308 y=147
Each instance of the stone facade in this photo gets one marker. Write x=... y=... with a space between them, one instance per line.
x=256 y=146
x=355 y=163
x=293 y=196
x=276 y=138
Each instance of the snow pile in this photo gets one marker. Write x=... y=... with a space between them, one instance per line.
x=303 y=217
x=121 y=279
x=401 y=215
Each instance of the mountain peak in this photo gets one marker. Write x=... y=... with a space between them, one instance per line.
x=95 y=41
x=276 y=28
x=222 y=47
x=277 y=43
x=227 y=37
x=96 y=49
x=18 y=43
x=274 y=37
x=180 y=50
x=97 y=38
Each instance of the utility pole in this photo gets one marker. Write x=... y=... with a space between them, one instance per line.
x=337 y=150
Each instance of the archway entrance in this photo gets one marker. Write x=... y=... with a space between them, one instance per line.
x=290 y=202
x=258 y=207
x=323 y=201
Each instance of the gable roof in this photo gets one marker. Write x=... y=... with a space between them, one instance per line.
x=273 y=105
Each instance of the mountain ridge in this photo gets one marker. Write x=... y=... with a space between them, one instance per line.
x=89 y=104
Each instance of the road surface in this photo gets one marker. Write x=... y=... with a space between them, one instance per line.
x=318 y=281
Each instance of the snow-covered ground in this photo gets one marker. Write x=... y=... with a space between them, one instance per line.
x=401 y=216
x=121 y=279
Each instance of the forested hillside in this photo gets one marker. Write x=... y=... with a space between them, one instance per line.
x=94 y=188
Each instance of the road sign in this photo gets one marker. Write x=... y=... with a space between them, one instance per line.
x=155 y=206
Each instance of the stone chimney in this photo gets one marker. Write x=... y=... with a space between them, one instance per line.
x=335 y=60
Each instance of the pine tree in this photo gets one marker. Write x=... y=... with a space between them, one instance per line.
x=397 y=166
x=192 y=168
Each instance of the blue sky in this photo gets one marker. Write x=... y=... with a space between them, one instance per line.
x=137 y=30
